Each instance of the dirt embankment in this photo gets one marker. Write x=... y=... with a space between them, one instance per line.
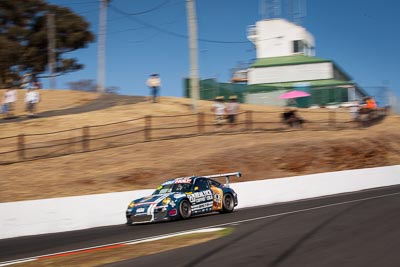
x=258 y=155
x=265 y=156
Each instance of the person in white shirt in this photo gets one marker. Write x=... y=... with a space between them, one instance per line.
x=219 y=109
x=154 y=82
x=32 y=98
x=9 y=100
x=354 y=110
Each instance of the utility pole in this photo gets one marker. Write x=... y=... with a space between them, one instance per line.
x=51 y=48
x=101 y=75
x=194 y=69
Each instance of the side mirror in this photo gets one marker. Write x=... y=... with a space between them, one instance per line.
x=196 y=188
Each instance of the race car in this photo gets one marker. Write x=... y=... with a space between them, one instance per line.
x=183 y=197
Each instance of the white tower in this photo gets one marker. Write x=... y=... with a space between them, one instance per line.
x=279 y=37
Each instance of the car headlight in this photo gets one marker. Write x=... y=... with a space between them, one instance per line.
x=166 y=201
x=131 y=205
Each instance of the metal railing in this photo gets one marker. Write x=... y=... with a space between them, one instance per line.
x=24 y=147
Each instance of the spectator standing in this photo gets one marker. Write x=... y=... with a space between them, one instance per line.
x=371 y=107
x=287 y=117
x=32 y=98
x=37 y=85
x=154 y=83
x=354 y=111
x=219 y=109
x=232 y=109
x=9 y=100
x=26 y=81
x=370 y=103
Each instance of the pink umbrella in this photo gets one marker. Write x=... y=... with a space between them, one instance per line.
x=294 y=94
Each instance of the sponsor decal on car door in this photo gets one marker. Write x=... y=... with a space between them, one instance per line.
x=217 y=198
x=202 y=198
x=201 y=201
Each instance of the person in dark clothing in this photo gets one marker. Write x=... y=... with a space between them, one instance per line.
x=291 y=118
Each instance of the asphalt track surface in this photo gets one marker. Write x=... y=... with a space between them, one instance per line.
x=356 y=229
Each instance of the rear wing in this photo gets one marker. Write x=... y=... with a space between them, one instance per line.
x=226 y=175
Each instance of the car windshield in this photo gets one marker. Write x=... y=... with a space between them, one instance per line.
x=169 y=188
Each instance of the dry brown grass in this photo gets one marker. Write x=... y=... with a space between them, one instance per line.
x=107 y=256
x=50 y=100
x=54 y=99
x=258 y=155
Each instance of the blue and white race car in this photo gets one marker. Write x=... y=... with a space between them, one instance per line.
x=180 y=198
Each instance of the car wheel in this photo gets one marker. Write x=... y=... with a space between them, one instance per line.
x=185 y=209
x=228 y=203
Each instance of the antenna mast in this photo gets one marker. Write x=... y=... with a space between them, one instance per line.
x=296 y=10
x=270 y=9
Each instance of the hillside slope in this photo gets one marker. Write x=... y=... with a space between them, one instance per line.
x=258 y=155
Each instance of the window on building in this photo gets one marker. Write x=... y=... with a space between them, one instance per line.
x=298 y=46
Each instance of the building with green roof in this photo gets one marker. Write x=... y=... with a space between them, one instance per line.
x=285 y=61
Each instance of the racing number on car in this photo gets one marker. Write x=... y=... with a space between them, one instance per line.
x=192 y=198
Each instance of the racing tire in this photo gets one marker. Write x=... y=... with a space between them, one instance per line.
x=228 y=203
x=185 y=209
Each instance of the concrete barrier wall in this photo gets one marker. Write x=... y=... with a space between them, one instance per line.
x=72 y=213
x=314 y=185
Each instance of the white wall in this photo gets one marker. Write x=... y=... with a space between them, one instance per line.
x=314 y=185
x=268 y=99
x=274 y=38
x=289 y=73
x=72 y=213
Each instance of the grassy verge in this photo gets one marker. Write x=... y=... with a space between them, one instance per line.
x=111 y=255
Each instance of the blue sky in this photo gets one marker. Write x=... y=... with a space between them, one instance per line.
x=359 y=35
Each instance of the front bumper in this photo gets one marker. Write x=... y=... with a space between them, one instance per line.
x=159 y=214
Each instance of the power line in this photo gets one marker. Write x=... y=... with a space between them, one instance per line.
x=140 y=28
x=81 y=13
x=142 y=40
x=83 y=3
x=88 y=11
x=146 y=11
x=184 y=36
x=128 y=30
x=151 y=9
